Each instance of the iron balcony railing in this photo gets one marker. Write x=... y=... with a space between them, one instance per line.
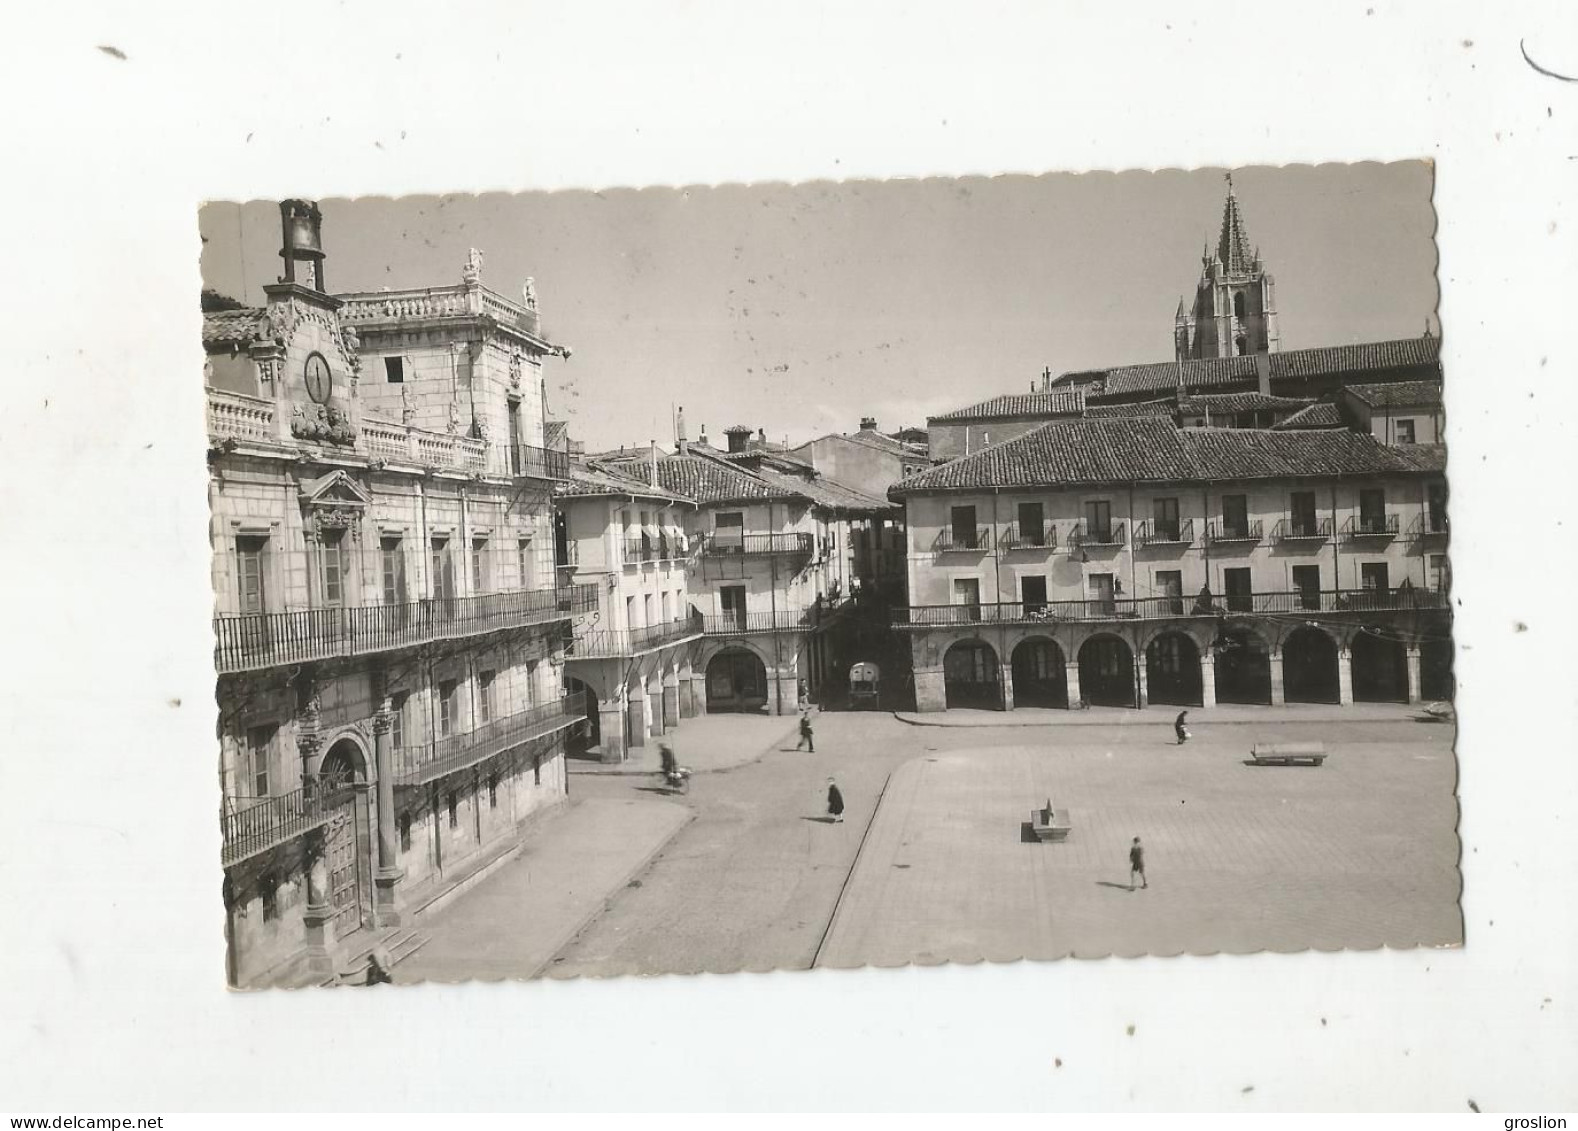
x=1087 y=534
x=1252 y=531
x=1401 y=598
x=640 y=549
x=721 y=545
x=529 y=462
x=605 y=642
x=252 y=825
x=1428 y=525
x=1301 y=530
x=264 y=640
x=1177 y=533
x=418 y=765
x=1022 y=536
x=741 y=624
x=1370 y=526
x=956 y=540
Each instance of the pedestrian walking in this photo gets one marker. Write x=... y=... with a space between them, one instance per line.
x=378 y=970
x=1180 y=727
x=1137 y=864
x=807 y=737
x=835 y=802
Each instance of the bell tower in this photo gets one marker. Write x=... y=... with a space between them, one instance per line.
x=1234 y=311
x=301 y=244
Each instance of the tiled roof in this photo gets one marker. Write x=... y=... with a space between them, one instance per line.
x=1240 y=402
x=233 y=327
x=1059 y=402
x=1150 y=450
x=826 y=493
x=1422 y=457
x=591 y=480
x=1165 y=407
x=706 y=480
x=1322 y=414
x=1399 y=394
x=1290 y=365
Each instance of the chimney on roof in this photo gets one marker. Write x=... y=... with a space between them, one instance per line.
x=702 y=439
x=868 y=424
x=652 y=466
x=1263 y=373
x=739 y=436
x=681 y=444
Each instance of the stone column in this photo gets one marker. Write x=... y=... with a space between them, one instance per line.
x=1278 y=698
x=316 y=918
x=655 y=697
x=1414 y=676
x=671 y=713
x=931 y=694
x=1207 y=679
x=611 y=728
x=687 y=691
x=1071 y=676
x=784 y=697
x=636 y=712
x=1142 y=677
x=1344 y=677
x=1005 y=673
x=386 y=878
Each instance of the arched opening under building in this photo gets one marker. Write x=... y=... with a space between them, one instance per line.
x=589 y=735
x=970 y=676
x=1243 y=667
x=1380 y=668
x=347 y=836
x=1172 y=670
x=1106 y=672
x=1435 y=669
x=1309 y=667
x=1040 y=679
x=736 y=681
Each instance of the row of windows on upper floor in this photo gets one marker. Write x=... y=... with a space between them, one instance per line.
x=494 y=566
x=1166 y=523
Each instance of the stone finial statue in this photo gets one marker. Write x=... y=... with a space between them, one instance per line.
x=473 y=272
x=529 y=293
x=454 y=418
x=407 y=412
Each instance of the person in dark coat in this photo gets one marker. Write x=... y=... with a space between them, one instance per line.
x=377 y=971
x=807 y=739
x=1180 y=728
x=835 y=801
x=1137 y=864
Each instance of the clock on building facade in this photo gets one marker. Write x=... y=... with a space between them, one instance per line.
x=320 y=382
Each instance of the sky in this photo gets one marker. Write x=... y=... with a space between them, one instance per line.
x=800 y=309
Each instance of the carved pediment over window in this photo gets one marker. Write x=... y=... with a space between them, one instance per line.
x=333 y=502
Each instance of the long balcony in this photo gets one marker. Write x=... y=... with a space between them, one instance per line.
x=615 y=642
x=744 y=624
x=1034 y=536
x=1428 y=525
x=1293 y=602
x=720 y=545
x=962 y=540
x=1370 y=526
x=1086 y=535
x=251 y=825
x=1235 y=533
x=1176 y=533
x=417 y=765
x=1301 y=530
x=265 y=640
x=529 y=462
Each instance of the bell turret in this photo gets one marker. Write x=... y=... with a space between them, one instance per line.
x=301 y=226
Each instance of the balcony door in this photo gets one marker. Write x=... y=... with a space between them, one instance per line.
x=1098 y=523
x=962 y=525
x=1240 y=590
x=1301 y=514
x=1306 y=580
x=1033 y=592
x=1436 y=508
x=1373 y=578
x=728 y=531
x=1372 y=510
x=1235 y=516
x=443 y=578
x=731 y=598
x=515 y=436
x=1101 y=591
x=1169 y=584
x=1165 y=514
x=1032 y=525
x=967 y=592
x=252 y=591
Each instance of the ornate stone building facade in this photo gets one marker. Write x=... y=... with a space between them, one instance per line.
x=388 y=622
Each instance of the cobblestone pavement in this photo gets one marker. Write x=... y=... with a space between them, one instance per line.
x=1360 y=852
x=705 y=744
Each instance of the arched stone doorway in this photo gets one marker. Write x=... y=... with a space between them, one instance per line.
x=1243 y=667
x=1040 y=679
x=736 y=681
x=1172 y=670
x=1380 y=668
x=589 y=735
x=1435 y=669
x=970 y=676
x=347 y=835
x=1106 y=672
x=1309 y=667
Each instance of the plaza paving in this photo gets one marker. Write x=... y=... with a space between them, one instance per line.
x=1360 y=852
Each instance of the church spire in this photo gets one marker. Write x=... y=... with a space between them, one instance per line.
x=1232 y=246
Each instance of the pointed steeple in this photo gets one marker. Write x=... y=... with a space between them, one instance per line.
x=1232 y=246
